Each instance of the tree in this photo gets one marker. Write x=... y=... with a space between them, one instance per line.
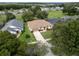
x=10 y=45
x=28 y=15
x=4 y=52
x=35 y=9
x=9 y=16
x=22 y=50
x=36 y=50
x=13 y=6
x=66 y=38
x=42 y=14
x=70 y=9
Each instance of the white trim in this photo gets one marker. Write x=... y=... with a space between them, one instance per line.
x=12 y=26
x=12 y=32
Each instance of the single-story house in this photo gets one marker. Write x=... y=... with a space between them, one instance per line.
x=13 y=26
x=53 y=20
x=39 y=25
x=56 y=20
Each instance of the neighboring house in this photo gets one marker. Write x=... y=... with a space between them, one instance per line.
x=45 y=9
x=51 y=8
x=53 y=20
x=63 y=19
x=1 y=25
x=59 y=8
x=39 y=25
x=13 y=26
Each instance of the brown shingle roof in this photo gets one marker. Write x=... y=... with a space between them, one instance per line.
x=36 y=24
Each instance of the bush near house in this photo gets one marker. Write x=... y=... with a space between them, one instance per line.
x=27 y=36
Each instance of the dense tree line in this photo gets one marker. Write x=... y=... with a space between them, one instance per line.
x=70 y=8
x=8 y=44
x=12 y=46
x=14 y=6
x=66 y=38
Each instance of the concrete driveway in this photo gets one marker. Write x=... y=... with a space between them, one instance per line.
x=42 y=41
x=39 y=37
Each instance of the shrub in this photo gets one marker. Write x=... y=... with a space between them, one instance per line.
x=27 y=36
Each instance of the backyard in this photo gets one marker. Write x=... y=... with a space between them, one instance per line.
x=55 y=14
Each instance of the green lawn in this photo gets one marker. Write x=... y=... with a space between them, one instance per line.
x=47 y=34
x=27 y=32
x=19 y=17
x=2 y=18
x=55 y=14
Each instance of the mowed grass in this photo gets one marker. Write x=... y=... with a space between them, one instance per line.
x=2 y=18
x=55 y=14
x=27 y=32
x=19 y=17
x=47 y=34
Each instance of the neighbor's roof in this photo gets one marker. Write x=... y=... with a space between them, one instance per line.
x=36 y=24
x=14 y=23
x=1 y=25
x=53 y=20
